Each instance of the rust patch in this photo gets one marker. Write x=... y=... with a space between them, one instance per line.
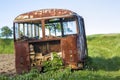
x=69 y=50
x=43 y=13
x=22 y=57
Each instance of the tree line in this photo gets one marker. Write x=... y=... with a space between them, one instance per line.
x=5 y=32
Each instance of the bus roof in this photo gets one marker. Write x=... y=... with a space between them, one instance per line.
x=43 y=14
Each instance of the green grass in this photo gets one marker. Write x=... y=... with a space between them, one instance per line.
x=105 y=51
x=103 y=64
x=6 y=46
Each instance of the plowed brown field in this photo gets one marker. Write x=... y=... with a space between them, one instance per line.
x=7 y=64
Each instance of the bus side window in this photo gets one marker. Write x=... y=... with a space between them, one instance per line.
x=21 y=30
x=16 y=31
x=37 y=31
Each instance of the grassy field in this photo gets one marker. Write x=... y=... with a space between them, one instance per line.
x=6 y=46
x=103 y=62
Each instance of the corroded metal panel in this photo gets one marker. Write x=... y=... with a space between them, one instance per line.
x=43 y=13
x=69 y=51
x=22 y=57
x=81 y=40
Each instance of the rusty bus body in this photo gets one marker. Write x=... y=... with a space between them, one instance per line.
x=39 y=33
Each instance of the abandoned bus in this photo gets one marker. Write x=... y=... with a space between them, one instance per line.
x=37 y=34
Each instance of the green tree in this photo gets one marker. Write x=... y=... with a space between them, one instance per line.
x=6 y=32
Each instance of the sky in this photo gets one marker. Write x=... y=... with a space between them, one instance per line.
x=100 y=16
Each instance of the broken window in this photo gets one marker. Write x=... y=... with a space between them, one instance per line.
x=53 y=28
x=28 y=30
x=60 y=27
x=69 y=26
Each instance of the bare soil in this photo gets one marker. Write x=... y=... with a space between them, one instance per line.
x=7 y=64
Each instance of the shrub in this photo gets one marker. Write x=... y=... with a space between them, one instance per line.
x=54 y=64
